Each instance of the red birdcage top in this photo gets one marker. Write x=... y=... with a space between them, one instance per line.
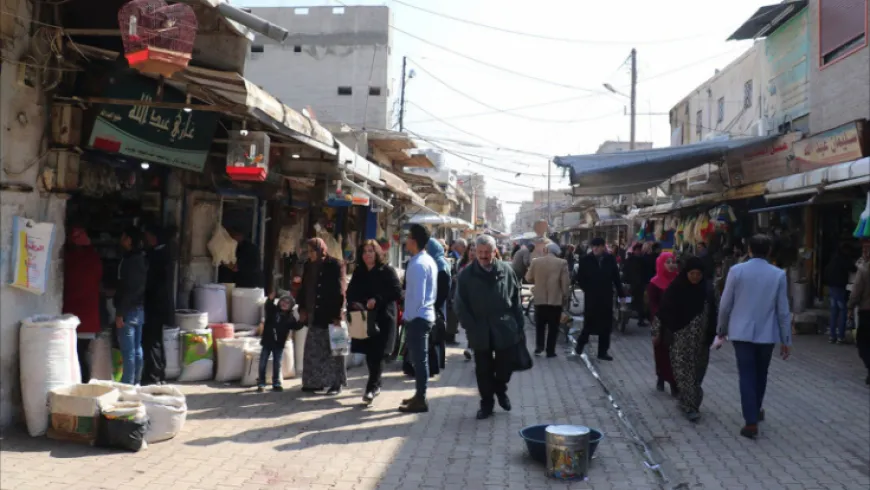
x=150 y=24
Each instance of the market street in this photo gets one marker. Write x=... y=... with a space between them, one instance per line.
x=816 y=434
x=236 y=439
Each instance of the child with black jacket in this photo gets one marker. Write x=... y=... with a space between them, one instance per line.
x=280 y=318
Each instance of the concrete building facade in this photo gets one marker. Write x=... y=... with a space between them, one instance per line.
x=335 y=62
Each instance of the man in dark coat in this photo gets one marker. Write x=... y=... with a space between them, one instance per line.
x=159 y=304
x=597 y=276
x=248 y=273
x=636 y=277
x=489 y=309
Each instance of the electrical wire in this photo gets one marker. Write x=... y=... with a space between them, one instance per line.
x=543 y=36
x=457 y=128
x=512 y=109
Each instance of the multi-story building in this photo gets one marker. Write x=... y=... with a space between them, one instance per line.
x=611 y=146
x=335 y=63
x=475 y=187
x=494 y=214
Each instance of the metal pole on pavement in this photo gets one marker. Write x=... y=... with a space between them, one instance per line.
x=633 y=95
x=402 y=95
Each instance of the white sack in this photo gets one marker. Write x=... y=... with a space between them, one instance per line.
x=248 y=305
x=101 y=358
x=211 y=299
x=222 y=247
x=49 y=360
x=166 y=407
x=172 y=351
x=231 y=358
x=190 y=320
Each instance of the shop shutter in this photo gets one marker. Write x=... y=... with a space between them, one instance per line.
x=840 y=22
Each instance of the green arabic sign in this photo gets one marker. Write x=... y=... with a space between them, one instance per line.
x=169 y=136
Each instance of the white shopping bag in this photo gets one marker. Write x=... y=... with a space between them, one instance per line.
x=339 y=339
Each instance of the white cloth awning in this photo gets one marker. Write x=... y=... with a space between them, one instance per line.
x=839 y=176
x=439 y=220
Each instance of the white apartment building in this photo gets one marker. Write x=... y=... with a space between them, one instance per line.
x=335 y=63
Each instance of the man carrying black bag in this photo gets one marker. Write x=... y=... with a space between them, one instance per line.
x=489 y=309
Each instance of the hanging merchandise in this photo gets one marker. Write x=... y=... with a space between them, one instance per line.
x=289 y=239
x=158 y=38
x=222 y=247
x=248 y=155
x=659 y=229
x=31 y=250
x=863 y=228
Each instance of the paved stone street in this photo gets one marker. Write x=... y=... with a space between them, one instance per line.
x=236 y=439
x=817 y=429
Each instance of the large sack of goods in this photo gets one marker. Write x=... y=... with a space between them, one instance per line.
x=222 y=247
x=166 y=407
x=197 y=354
x=231 y=357
x=172 y=351
x=101 y=357
x=252 y=364
x=288 y=364
x=49 y=360
x=123 y=388
x=123 y=425
x=75 y=411
x=298 y=353
x=248 y=305
x=190 y=320
x=222 y=330
x=211 y=299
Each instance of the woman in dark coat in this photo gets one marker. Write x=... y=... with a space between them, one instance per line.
x=666 y=272
x=687 y=319
x=438 y=338
x=598 y=277
x=322 y=301
x=375 y=289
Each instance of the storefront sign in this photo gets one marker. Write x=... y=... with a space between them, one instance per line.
x=786 y=55
x=169 y=136
x=346 y=200
x=761 y=164
x=838 y=145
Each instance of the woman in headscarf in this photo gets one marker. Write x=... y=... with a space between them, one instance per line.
x=687 y=319
x=666 y=272
x=467 y=259
x=374 y=288
x=323 y=290
x=438 y=338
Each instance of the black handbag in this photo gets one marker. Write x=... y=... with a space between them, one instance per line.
x=521 y=358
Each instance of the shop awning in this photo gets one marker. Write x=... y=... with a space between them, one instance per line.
x=781 y=207
x=400 y=187
x=839 y=176
x=395 y=146
x=636 y=171
x=767 y=19
x=435 y=219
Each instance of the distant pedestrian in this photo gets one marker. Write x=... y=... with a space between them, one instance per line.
x=687 y=323
x=521 y=260
x=551 y=292
x=598 y=276
x=457 y=253
x=836 y=278
x=490 y=310
x=159 y=304
x=666 y=273
x=754 y=314
x=83 y=274
x=469 y=258
x=860 y=299
x=635 y=275
x=421 y=278
x=438 y=337
x=129 y=304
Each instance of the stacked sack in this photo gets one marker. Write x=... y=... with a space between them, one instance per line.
x=140 y=416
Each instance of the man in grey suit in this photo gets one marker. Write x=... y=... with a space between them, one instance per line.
x=754 y=314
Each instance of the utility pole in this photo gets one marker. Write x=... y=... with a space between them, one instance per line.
x=549 y=207
x=402 y=98
x=633 y=95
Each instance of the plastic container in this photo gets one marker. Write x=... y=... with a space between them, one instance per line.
x=222 y=330
x=536 y=441
x=211 y=299
x=567 y=451
x=191 y=320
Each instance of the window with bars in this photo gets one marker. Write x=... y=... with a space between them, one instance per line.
x=699 y=123
x=747 y=94
x=842 y=28
x=720 y=115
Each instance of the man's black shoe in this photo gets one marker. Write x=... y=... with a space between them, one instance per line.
x=416 y=405
x=605 y=357
x=504 y=402
x=484 y=413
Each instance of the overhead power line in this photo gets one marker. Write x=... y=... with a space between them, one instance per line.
x=543 y=36
x=457 y=128
x=510 y=110
x=493 y=66
x=477 y=145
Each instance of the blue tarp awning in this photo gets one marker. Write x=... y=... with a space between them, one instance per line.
x=628 y=172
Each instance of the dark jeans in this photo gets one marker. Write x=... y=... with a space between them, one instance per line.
x=277 y=354
x=83 y=346
x=130 y=341
x=637 y=302
x=547 y=326
x=493 y=372
x=417 y=338
x=837 y=297
x=753 y=361
x=375 y=363
x=154 y=369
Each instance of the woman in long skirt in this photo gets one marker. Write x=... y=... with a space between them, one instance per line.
x=687 y=318
x=323 y=289
x=666 y=272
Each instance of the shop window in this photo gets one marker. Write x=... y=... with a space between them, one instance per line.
x=345 y=91
x=699 y=120
x=720 y=115
x=842 y=28
x=747 y=94
x=375 y=91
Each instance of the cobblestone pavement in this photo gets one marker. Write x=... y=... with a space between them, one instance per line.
x=817 y=429
x=236 y=439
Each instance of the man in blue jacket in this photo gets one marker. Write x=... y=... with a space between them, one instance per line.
x=754 y=314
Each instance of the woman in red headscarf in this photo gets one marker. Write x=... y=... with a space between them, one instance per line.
x=83 y=273
x=666 y=272
x=321 y=303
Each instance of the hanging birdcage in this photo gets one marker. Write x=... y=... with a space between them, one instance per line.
x=248 y=155
x=158 y=37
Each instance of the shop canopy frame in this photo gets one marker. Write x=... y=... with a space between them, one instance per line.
x=834 y=177
x=640 y=170
x=435 y=219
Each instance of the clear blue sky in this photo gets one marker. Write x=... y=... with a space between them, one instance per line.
x=679 y=42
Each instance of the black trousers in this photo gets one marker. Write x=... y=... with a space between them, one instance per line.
x=547 y=326
x=603 y=340
x=637 y=302
x=375 y=363
x=154 y=368
x=493 y=372
x=862 y=337
x=83 y=347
